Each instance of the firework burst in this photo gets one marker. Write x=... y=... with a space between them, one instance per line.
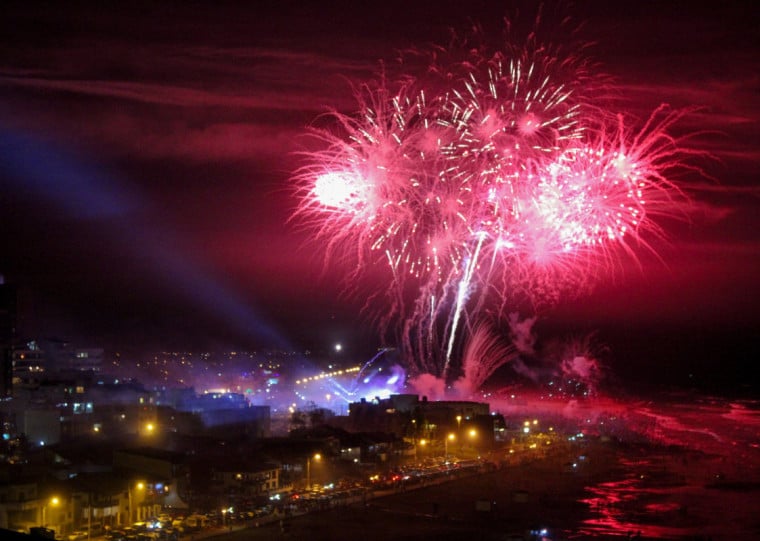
x=496 y=181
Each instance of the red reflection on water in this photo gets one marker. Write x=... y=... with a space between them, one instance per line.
x=624 y=507
x=684 y=466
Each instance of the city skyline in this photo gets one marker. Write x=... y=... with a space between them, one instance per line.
x=148 y=155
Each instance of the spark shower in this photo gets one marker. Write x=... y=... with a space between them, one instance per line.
x=480 y=177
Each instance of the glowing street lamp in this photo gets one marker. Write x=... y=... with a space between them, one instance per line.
x=420 y=443
x=473 y=434
x=459 y=431
x=316 y=457
x=53 y=502
x=450 y=437
x=139 y=486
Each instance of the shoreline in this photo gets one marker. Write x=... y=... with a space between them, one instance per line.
x=619 y=490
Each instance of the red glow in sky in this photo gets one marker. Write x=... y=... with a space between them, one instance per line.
x=187 y=119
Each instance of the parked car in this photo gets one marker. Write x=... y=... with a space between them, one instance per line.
x=116 y=535
x=168 y=534
x=96 y=529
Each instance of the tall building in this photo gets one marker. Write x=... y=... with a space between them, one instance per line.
x=29 y=365
x=62 y=355
x=7 y=336
x=87 y=359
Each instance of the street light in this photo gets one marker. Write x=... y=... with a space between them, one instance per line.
x=317 y=457
x=451 y=437
x=54 y=501
x=473 y=435
x=421 y=443
x=459 y=431
x=139 y=486
x=89 y=514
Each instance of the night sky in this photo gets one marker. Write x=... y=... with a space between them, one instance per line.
x=146 y=153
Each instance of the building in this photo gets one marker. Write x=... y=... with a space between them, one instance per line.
x=29 y=366
x=42 y=426
x=64 y=356
x=409 y=417
x=245 y=481
x=37 y=362
x=154 y=479
x=28 y=503
x=7 y=336
x=219 y=412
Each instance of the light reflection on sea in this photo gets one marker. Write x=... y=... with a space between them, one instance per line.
x=701 y=481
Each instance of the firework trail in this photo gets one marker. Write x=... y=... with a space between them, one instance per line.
x=496 y=178
x=485 y=352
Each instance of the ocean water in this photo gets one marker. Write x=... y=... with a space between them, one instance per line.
x=687 y=466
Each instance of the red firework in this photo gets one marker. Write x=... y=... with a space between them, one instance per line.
x=504 y=181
